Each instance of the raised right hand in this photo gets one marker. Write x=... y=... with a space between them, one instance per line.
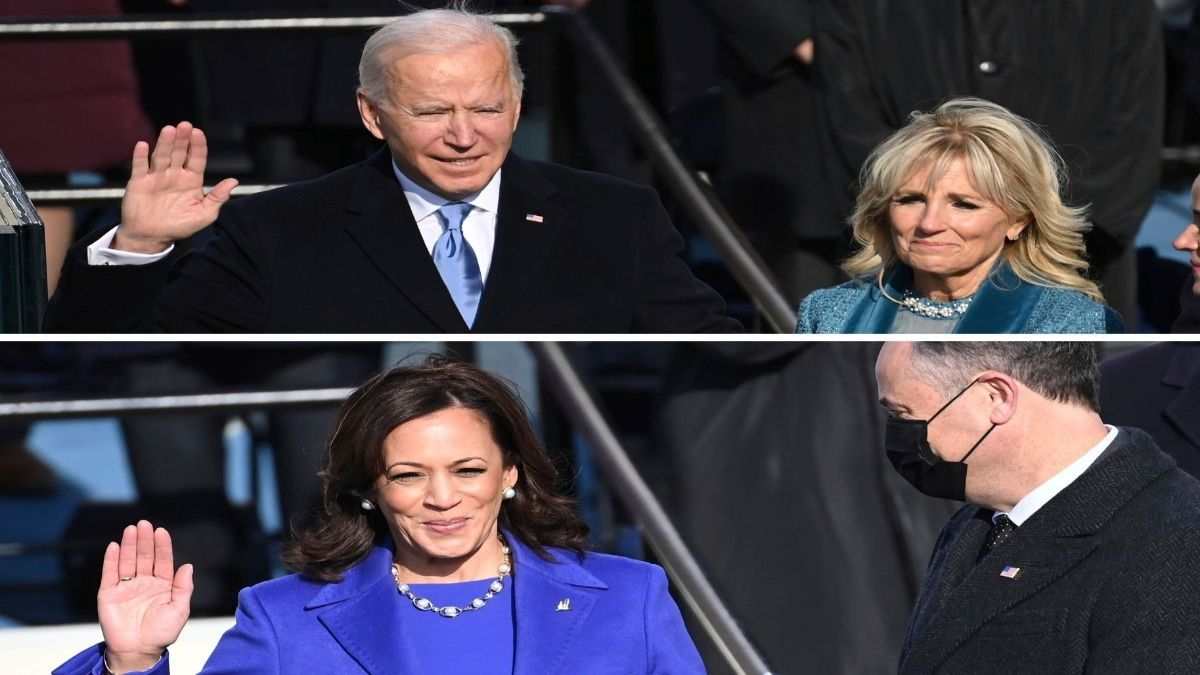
x=143 y=600
x=164 y=199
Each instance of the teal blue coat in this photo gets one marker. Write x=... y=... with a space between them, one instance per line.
x=1004 y=304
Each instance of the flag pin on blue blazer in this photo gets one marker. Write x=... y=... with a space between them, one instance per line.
x=564 y=605
x=1010 y=572
x=534 y=217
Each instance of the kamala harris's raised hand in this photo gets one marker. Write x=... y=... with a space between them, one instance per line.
x=164 y=199
x=143 y=600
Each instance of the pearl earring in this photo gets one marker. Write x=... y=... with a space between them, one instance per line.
x=509 y=493
x=367 y=505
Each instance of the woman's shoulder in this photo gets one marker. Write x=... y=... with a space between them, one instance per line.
x=1066 y=310
x=612 y=570
x=825 y=309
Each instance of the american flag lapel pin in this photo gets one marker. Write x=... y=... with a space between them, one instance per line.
x=1010 y=572
x=534 y=217
x=564 y=605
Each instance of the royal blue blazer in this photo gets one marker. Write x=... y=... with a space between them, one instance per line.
x=621 y=621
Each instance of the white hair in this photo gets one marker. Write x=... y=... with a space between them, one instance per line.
x=432 y=31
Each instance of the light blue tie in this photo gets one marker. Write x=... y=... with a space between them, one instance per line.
x=456 y=261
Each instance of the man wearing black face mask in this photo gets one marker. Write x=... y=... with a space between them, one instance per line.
x=1079 y=548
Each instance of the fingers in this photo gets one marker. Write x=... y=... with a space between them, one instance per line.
x=145 y=547
x=141 y=156
x=108 y=570
x=127 y=562
x=179 y=149
x=164 y=557
x=160 y=158
x=197 y=151
x=222 y=191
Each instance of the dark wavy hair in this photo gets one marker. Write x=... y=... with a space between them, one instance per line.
x=343 y=533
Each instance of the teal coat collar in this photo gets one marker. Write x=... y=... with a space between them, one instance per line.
x=1002 y=305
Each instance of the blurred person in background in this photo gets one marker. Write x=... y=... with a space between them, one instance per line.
x=961 y=228
x=443 y=546
x=1088 y=72
x=1188 y=242
x=68 y=106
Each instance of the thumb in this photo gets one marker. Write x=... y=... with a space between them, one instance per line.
x=221 y=192
x=182 y=586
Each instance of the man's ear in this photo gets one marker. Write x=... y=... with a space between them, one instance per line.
x=369 y=113
x=1004 y=393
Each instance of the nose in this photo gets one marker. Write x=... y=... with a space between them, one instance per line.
x=931 y=219
x=441 y=494
x=1188 y=240
x=460 y=131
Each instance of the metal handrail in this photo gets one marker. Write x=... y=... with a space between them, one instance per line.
x=668 y=545
x=696 y=196
x=91 y=28
x=138 y=405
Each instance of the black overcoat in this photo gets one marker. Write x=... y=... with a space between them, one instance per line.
x=1107 y=580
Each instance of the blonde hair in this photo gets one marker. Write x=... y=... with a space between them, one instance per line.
x=1008 y=161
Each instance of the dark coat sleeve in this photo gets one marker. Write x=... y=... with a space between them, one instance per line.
x=215 y=284
x=763 y=33
x=670 y=299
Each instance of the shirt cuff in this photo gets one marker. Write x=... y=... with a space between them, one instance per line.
x=100 y=252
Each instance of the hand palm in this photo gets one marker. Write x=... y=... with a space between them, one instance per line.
x=164 y=199
x=139 y=616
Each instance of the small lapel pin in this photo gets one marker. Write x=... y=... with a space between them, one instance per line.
x=1010 y=572
x=534 y=217
x=564 y=605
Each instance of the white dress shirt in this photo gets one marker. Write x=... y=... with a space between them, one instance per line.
x=479 y=227
x=1042 y=494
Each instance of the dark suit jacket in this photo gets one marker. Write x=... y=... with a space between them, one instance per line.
x=1109 y=579
x=342 y=254
x=1157 y=389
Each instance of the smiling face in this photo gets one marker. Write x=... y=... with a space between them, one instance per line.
x=449 y=118
x=947 y=232
x=441 y=491
x=1188 y=241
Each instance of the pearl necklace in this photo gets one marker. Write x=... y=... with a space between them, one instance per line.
x=925 y=307
x=451 y=611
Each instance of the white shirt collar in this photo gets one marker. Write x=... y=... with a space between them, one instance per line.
x=424 y=203
x=1042 y=494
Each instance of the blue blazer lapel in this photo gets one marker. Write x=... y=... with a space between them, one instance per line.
x=1003 y=304
x=553 y=600
x=363 y=615
x=874 y=313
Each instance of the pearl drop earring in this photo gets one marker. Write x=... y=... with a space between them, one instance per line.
x=367 y=505
x=509 y=493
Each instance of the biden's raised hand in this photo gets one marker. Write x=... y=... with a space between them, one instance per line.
x=143 y=601
x=165 y=199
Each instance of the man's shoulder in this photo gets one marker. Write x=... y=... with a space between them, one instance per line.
x=306 y=196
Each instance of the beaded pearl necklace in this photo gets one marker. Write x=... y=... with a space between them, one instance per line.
x=922 y=306
x=451 y=611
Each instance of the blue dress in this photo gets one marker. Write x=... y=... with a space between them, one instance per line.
x=472 y=643
x=1003 y=304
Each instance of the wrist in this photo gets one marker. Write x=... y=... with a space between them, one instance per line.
x=120 y=663
x=122 y=241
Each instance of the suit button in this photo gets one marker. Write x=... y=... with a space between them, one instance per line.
x=989 y=67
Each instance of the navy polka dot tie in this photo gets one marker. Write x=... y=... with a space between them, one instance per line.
x=1002 y=530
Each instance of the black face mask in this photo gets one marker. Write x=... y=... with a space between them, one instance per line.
x=908 y=449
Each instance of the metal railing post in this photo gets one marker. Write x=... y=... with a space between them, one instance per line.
x=626 y=481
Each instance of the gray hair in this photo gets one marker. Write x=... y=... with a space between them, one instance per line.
x=1067 y=372
x=432 y=31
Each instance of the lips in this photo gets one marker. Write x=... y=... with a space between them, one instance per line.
x=447 y=526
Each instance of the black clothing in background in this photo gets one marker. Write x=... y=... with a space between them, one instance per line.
x=783 y=492
x=1090 y=72
x=771 y=175
x=1107 y=580
x=1157 y=389
x=1189 y=309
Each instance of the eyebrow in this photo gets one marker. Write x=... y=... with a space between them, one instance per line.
x=418 y=465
